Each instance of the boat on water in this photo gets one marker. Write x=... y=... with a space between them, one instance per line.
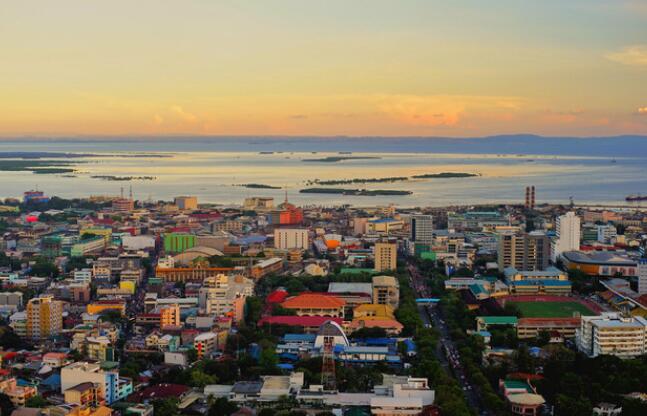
x=636 y=197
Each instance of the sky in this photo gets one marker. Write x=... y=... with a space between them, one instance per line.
x=336 y=67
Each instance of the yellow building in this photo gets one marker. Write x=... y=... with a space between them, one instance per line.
x=128 y=285
x=84 y=394
x=374 y=310
x=44 y=317
x=100 y=306
x=17 y=394
x=386 y=256
x=386 y=291
x=169 y=315
x=104 y=232
x=186 y=203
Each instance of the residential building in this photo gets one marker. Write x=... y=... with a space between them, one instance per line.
x=523 y=251
x=205 y=343
x=386 y=291
x=111 y=387
x=386 y=257
x=567 y=231
x=186 y=203
x=291 y=238
x=642 y=276
x=613 y=334
x=422 y=228
x=44 y=317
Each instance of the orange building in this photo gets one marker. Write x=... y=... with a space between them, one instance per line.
x=97 y=307
x=314 y=304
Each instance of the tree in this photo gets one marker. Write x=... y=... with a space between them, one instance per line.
x=6 y=407
x=166 y=407
x=44 y=268
x=36 y=401
x=570 y=406
x=222 y=407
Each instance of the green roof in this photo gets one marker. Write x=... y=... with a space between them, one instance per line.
x=517 y=384
x=498 y=320
x=352 y=270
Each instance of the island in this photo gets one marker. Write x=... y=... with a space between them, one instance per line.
x=358 y=180
x=123 y=178
x=355 y=192
x=334 y=159
x=444 y=175
x=259 y=186
x=37 y=166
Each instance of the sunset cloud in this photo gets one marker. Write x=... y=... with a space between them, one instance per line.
x=186 y=116
x=635 y=55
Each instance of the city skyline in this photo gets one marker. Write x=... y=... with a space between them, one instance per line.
x=407 y=68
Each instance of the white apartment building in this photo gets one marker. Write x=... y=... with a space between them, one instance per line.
x=290 y=238
x=612 y=334
x=567 y=228
x=422 y=228
x=642 y=276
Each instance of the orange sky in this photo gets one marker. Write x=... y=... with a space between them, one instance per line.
x=288 y=67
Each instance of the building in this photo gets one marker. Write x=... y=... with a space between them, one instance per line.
x=313 y=304
x=606 y=233
x=386 y=257
x=258 y=203
x=99 y=306
x=422 y=228
x=642 y=276
x=186 y=203
x=225 y=295
x=17 y=394
x=88 y=246
x=44 y=317
x=84 y=394
x=123 y=204
x=476 y=220
x=532 y=327
x=265 y=267
x=205 y=343
x=111 y=387
x=409 y=398
x=291 y=238
x=550 y=281
x=188 y=274
x=522 y=397
x=523 y=251
x=601 y=263
x=613 y=334
x=178 y=242
x=386 y=291
x=567 y=231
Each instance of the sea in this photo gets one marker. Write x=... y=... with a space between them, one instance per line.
x=595 y=171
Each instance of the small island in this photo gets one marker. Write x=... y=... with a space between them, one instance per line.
x=259 y=186
x=358 y=180
x=444 y=175
x=355 y=192
x=123 y=178
x=334 y=159
x=40 y=167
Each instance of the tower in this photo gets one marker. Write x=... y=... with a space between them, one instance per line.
x=328 y=379
x=530 y=197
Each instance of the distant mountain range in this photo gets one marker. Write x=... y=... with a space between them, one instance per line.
x=523 y=144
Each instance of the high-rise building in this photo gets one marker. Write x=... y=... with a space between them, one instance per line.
x=386 y=255
x=289 y=238
x=186 y=203
x=612 y=334
x=523 y=251
x=530 y=197
x=44 y=317
x=386 y=291
x=642 y=276
x=567 y=228
x=422 y=228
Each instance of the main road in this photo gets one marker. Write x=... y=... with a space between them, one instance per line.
x=446 y=351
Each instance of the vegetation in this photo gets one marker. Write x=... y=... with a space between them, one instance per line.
x=259 y=186
x=123 y=178
x=444 y=175
x=354 y=192
x=334 y=159
x=359 y=180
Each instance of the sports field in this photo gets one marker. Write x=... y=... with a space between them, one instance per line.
x=551 y=309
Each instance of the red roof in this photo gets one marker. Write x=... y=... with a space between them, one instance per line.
x=278 y=296
x=305 y=321
x=159 y=391
x=313 y=300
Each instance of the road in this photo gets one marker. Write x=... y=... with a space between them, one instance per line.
x=446 y=352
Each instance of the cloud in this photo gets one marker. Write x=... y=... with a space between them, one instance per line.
x=444 y=110
x=186 y=116
x=298 y=116
x=157 y=119
x=642 y=111
x=635 y=55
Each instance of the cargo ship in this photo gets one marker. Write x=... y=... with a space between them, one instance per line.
x=634 y=197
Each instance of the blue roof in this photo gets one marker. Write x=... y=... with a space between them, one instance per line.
x=382 y=220
x=289 y=356
x=53 y=381
x=544 y=282
x=285 y=366
x=299 y=338
x=250 y=239
x=411 y=346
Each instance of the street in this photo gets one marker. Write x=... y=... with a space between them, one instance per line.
x=446 y=352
